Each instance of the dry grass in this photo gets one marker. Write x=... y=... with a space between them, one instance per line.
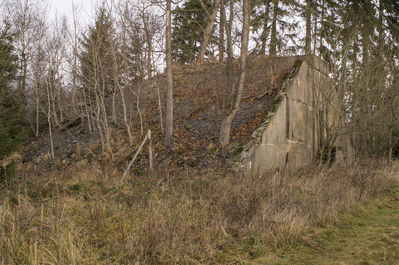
x=81 y=216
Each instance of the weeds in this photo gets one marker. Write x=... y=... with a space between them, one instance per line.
x=83 y=217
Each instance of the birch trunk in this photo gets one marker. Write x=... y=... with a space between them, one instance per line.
x=169 y=89
x=208 y=30
x=49 y=119
x=225 y=129
x=308 y=36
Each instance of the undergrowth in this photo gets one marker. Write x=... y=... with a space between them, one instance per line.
x=86 y=216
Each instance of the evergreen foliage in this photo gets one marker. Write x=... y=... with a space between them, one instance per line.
x=13 y=125
x=96 y=57
x=7 y=57
x=188 y=25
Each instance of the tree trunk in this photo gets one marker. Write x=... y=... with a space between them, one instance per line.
x=229 y=26
x=169 y=80
x=308 y=36
x=390 y=144
x=323 y=8
x=221 y=31
x=391 y=126
x=208 y=30
x=265 y=31
x=37 y=95
x=273 y=37
x=126 y=79
x=226 y=97
x=313 y=35
x=159 y=106
x=225 y=129
x=148 y=39
x=49 y=119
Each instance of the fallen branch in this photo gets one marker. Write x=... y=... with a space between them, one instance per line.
x=147 y=137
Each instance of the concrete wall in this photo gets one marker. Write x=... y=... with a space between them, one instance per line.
x=291 y=136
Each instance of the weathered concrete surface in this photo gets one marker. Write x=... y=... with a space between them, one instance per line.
x=290 y=136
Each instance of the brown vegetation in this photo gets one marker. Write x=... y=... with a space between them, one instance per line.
x=83 y=216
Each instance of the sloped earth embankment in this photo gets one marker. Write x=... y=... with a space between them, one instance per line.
x=197 y=93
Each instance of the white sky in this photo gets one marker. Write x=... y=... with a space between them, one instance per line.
x=59 y=8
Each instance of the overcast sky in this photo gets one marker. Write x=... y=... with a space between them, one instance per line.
x=60 y=8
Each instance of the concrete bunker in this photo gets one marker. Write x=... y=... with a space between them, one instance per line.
x=306 y=113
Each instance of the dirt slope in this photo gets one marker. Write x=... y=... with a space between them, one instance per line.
x=197 y=93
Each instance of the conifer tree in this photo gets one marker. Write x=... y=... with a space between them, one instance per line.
x=13 y=126
x=7 y=57
x=97 y=73
x=189 y=24
x=95 y=57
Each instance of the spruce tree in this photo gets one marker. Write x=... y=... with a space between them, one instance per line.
x=95 y=57
x=7 y=57
x=13 y=125
x=188 y=25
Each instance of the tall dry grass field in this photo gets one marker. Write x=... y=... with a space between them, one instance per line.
x=86 y=217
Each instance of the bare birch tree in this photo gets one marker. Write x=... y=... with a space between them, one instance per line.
x=169 y=80
x=211 y=14
x=232 y=97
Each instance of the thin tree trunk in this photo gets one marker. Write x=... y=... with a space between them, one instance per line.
x=169 y=81
x=208 y=30
x=37 y=110
x=96 y=91
x=392 y=121
x=37 y=99
x=314 y=34
x=127 y=124
x=86 y=110
x=227 y=94
x=390 y=147
x=113 y=105
x=225 y=129
x=265 y=31
x=98 y=122
x=120 y=88
x=160 y=107
x=107 y=130
x=308 y=36
x=221 y=31
x=49 y=120
x=321 y=28
x=53 y=101
x=273 y=37
x=148 y=39
x=138 y=107
x=75 y=59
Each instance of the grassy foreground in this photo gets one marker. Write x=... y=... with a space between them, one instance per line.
x=86 y=216
x=369 y=237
